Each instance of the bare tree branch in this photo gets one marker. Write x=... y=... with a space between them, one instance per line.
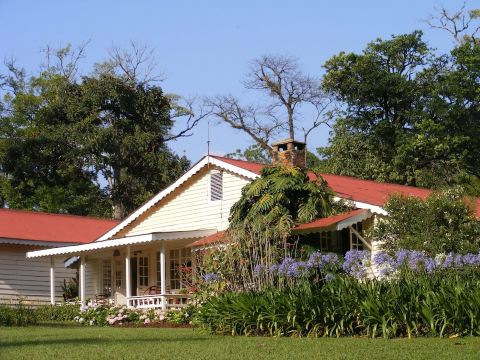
x=137 y=64
x=456 y=23
x=287 y=89
x=184 y=110
x=64 y=60
x=261 y=127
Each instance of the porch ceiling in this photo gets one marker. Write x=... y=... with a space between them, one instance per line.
x=130 y=240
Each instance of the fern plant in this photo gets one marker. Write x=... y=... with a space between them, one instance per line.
x=261 y=222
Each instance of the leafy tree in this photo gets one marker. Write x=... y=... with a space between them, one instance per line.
x=444 y=222
x=407 y=116
x=253 y=153
x=63 y=137
x=127 y=129
x=39 y=159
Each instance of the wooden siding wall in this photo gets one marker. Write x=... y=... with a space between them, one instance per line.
x=29 y=278
x=191 y=208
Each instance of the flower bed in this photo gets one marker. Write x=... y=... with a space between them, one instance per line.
x=108 y=315
x=407 y=294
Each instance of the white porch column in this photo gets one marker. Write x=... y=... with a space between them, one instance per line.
x=52 y=280
x=82 y=279
x=128 y=287
x=162 y=274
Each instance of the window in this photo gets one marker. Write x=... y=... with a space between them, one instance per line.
x=180 y=268
x=328 y=242
x=216 y=185
x=118 y=274
x=143 y=271
x=106 y=277
x=356 y=243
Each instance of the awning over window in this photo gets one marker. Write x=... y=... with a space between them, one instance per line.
x=333 y=223
x=209 y=240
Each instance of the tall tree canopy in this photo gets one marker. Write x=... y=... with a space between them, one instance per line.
x=96 y=144
x=406 y=115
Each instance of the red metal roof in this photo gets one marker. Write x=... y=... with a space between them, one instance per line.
x=317 y=224
x=38 y=226
x=329 y=221
x=367 y=191
x=207 y=240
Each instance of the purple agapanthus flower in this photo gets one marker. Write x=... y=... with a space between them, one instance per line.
x=211 y=278
x=356 y=263
x=319 y=261
x=259 y=270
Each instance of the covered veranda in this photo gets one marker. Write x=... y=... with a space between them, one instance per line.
x=146 y=271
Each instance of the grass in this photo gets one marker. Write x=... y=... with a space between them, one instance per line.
x=59 y=341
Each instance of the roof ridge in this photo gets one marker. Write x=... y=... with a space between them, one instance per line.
x=378 y=182
x=34 y=212
x=338 y=175
x=245 y=161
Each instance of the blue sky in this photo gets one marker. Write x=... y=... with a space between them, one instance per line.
x=204 y=47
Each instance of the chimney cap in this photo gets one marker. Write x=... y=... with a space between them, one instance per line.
x=287 y=141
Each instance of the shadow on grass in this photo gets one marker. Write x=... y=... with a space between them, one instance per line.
x=95 y=341
x=58 y=324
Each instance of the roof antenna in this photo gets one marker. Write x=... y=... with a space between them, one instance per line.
x=208 y=142
x=208 y=138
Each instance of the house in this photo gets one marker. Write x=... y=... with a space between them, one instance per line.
x=145 y=261
x=23 y=231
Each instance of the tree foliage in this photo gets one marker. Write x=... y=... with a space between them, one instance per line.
x=444 y=222
x=407 y=116
x=95 y=144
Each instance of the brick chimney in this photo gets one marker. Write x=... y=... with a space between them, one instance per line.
x=289 y=152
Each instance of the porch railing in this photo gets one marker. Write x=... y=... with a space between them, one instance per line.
x=172 y=301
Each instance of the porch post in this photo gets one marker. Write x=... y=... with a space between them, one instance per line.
x=82 y=279
x=128 y=287
x=350 y=237
x=163 y=284
x=52 y=280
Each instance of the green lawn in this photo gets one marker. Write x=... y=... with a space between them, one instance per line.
x=75 y=342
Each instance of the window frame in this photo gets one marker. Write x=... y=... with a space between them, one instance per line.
x=175 y=277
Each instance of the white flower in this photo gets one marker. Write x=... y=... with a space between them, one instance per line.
x=81 y=320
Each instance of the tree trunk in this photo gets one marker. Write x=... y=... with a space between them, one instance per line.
x=118 y=210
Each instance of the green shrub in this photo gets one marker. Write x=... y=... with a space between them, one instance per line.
x=18 y=315
x=444 y=222
x=440 y=304
x=182 y=316
x=63 y=312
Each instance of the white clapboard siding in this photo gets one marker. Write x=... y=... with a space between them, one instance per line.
x=29 y=279
x=191 y=209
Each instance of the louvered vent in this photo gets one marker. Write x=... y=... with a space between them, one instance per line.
x=216 y=185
